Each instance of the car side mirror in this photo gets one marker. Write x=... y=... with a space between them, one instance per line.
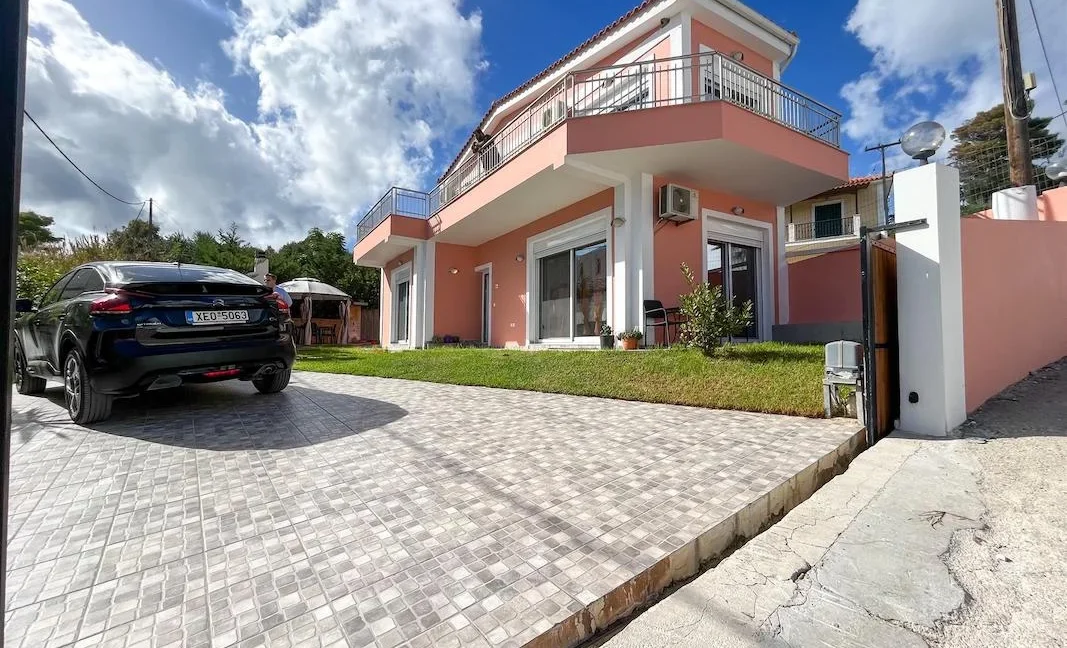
x=24 y=306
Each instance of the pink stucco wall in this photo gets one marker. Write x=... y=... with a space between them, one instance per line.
x=826 y=288
x=705 y=35
x=702 y=121
x=673 y=244
x=1014 y=302
x=509 y=275
x=1051 y=206
x=457 y=297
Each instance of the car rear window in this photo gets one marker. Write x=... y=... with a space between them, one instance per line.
x=126 y=274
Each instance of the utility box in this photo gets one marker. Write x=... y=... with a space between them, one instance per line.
x=844 y=357
x=843 y=367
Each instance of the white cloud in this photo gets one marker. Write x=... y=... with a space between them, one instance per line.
x=352 y=95
x=939 y=60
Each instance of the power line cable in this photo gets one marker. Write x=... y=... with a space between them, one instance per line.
x=133 y=203
x=139 y=212
x=1051 y=74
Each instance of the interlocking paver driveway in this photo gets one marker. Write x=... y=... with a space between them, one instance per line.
x=354 y=511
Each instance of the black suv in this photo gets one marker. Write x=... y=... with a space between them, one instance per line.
x=116 y=329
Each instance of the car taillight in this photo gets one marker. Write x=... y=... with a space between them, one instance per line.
x=277 y=299
x=113 y=303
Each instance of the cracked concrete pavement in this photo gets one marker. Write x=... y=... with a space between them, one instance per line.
x=950 y=543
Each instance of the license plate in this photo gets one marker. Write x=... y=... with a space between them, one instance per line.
x=197 y=318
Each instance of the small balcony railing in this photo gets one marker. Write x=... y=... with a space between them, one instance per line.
x=680 y=80
x=824 y=229
x=402 y=202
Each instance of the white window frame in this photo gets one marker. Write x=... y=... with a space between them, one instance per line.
x=575 y=234
x=745 y=231
x=487 y=310
x=400 y=275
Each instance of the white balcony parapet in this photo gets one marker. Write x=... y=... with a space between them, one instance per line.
x=847 y=227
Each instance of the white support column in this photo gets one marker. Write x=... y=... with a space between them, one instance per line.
x=634 y=276
x=783 y=265
x=422 y=288
x=930 y=301
x=383 y=331
x=644 y=261
x=621 y=252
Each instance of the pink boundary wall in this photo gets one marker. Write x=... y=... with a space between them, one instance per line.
x=1014 y=301
x=826 y=288
x=1051 y=206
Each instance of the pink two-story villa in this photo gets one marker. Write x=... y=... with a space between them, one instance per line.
x=665 y=138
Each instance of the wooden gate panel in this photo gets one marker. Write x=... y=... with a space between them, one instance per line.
x=883 y=274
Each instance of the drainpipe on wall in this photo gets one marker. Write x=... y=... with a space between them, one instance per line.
x=788 y=59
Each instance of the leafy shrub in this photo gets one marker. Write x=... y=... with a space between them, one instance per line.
x=709 y=317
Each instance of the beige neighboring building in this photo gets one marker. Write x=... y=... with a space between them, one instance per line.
x=831 y=220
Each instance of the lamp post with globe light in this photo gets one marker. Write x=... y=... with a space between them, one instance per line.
x=920 y=142
x=1057 y=172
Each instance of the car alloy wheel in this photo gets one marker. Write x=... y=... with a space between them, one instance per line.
x=72 y=384
x=20 y=369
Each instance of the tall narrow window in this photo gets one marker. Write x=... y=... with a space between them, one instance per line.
x=590 y=289
x=403 y=311
x=555 y=295
x=733 y=268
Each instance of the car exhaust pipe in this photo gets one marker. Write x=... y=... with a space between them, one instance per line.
x=165 y=382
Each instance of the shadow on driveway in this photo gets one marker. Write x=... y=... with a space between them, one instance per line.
x=234 y=416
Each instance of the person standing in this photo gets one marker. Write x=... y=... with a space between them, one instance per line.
x=272 y=283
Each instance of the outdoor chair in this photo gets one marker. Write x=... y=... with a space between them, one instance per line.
x=324 y=334
x=656 y=316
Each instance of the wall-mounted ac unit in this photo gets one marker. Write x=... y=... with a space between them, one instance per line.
x=677 y=204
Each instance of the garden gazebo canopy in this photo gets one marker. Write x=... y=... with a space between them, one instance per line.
x=311 y=290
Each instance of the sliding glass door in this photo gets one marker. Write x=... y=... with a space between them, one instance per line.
x=573 y=292
x=733 y=267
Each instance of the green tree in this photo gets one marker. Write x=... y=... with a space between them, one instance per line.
x=324 y=256
x=35 y=229
x=980 y=152
x=710 y=318
x=138 y=241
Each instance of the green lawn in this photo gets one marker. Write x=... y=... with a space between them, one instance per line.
x=766 y=377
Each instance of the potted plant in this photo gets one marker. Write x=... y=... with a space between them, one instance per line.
x=630 y=339
x=607 y=337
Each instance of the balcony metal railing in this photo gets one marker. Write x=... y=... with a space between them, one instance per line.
x=815 y=230
x=634 y=86
x=403 y=202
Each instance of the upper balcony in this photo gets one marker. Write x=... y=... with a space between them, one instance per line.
x=704 y=115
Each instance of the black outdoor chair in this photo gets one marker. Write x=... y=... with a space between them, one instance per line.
x=324 y=334
x=656 y=316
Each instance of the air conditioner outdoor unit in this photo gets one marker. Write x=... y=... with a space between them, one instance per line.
x=677 y=204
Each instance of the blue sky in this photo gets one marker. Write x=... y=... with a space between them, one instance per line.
x=301 y=113
x=519 y=39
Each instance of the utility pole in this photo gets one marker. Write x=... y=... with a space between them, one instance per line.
x=1016 y=105
x=150 y=212
x=885 y=189
x=13 y=28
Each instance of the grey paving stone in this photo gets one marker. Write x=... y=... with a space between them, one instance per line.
x=353 y=511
